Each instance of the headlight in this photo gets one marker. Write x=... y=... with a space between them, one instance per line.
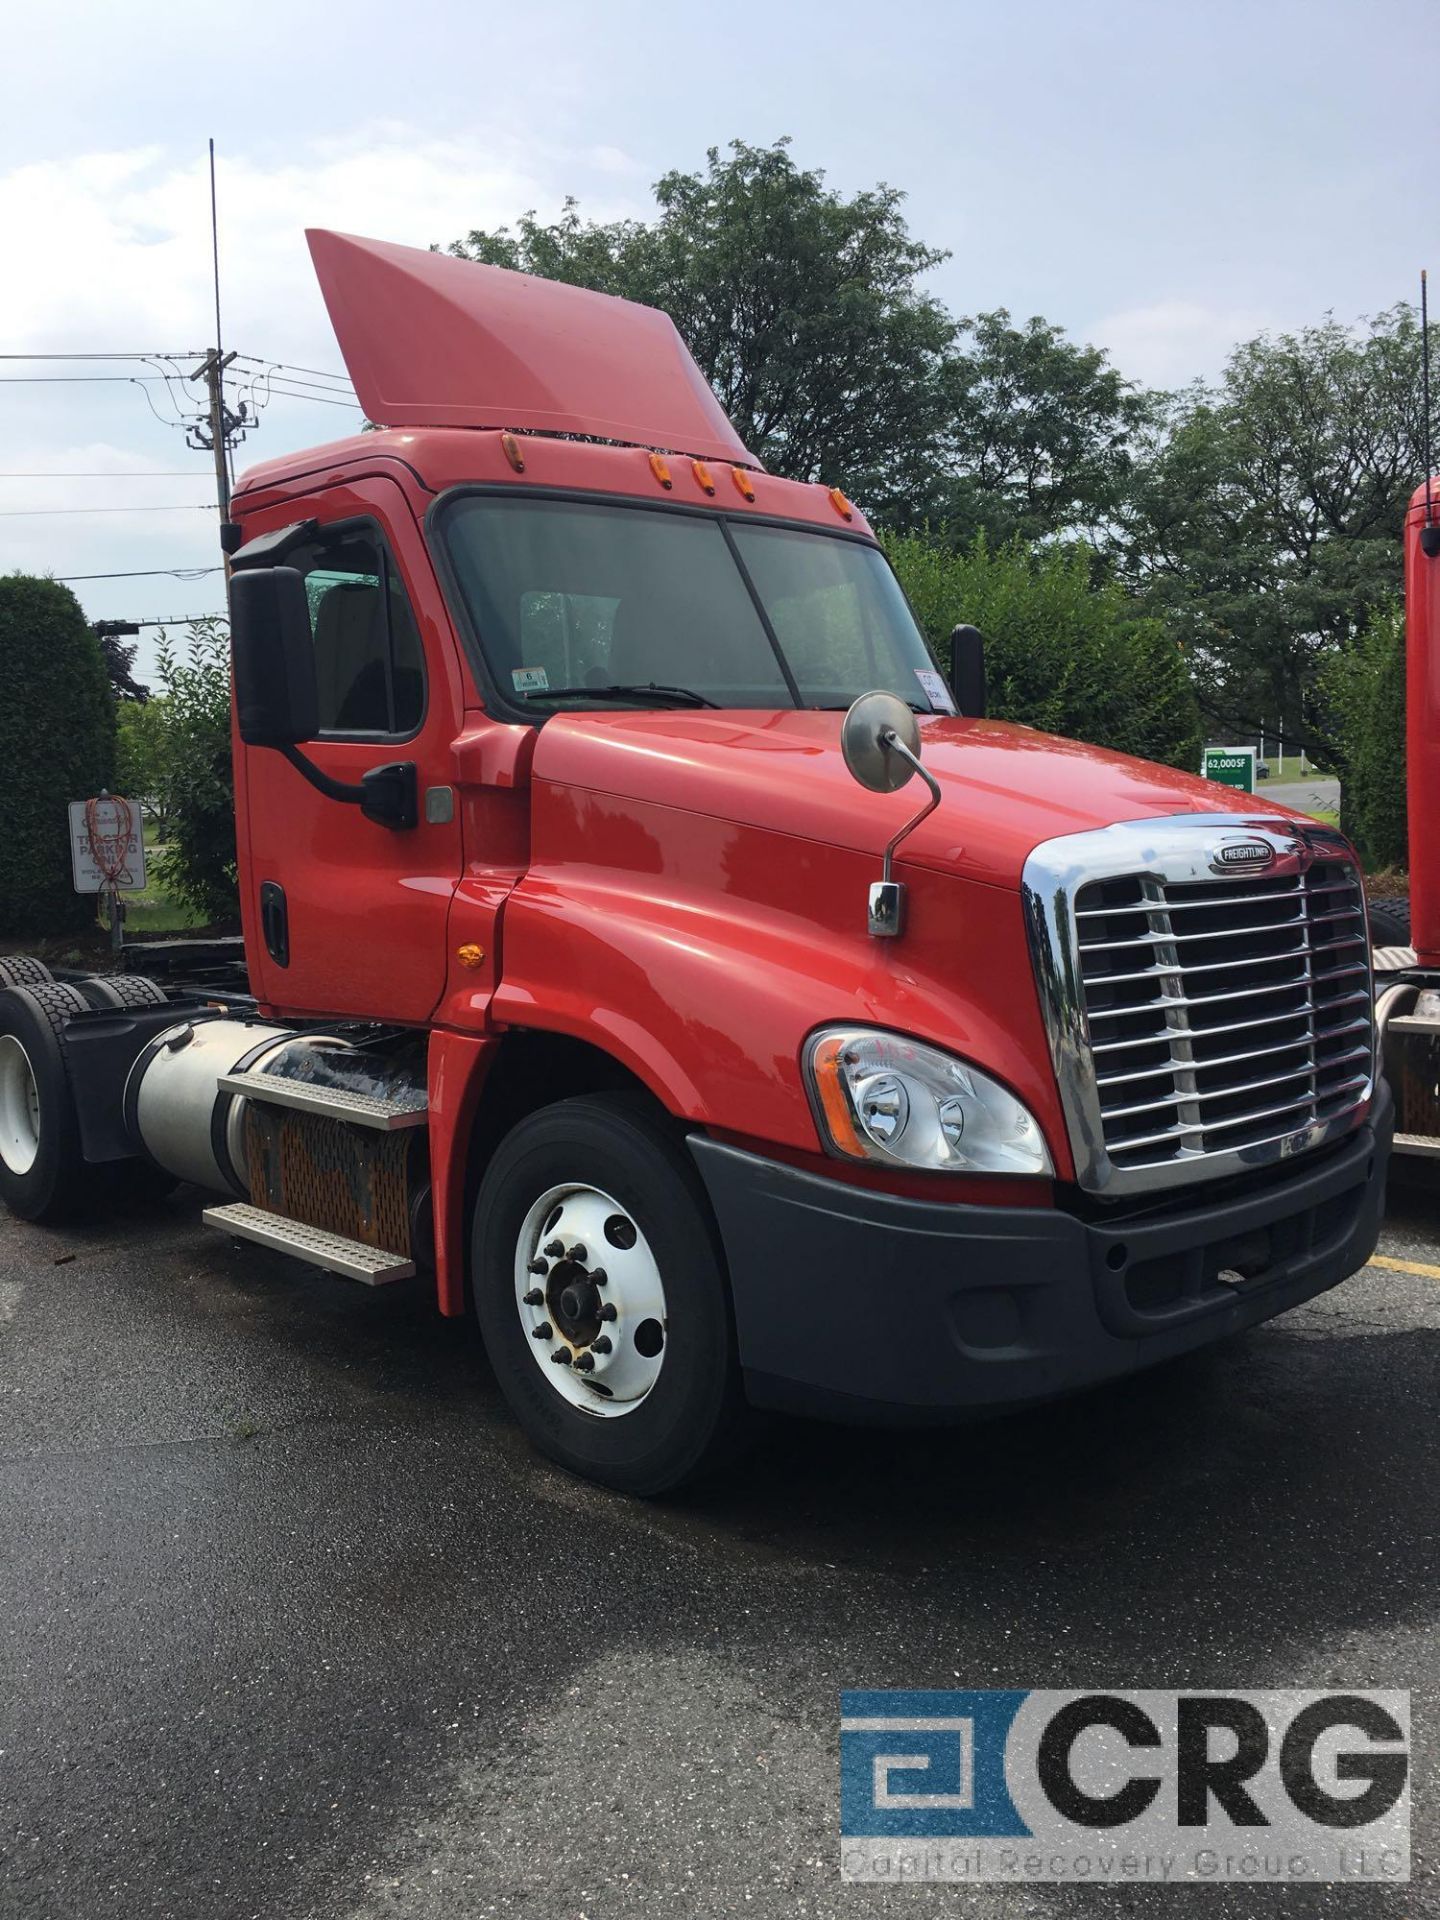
x=881 y=1097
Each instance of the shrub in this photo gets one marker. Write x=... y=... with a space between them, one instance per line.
x=1362 y=692
x=199 y=781
x=1063 y=653
x=57 y=744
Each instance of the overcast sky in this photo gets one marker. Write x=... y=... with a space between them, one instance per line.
x=1163 y=181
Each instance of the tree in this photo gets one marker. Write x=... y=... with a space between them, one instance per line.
x=1361 y=692
x=1264 y=522
x=1064 y=652
x=57 y=744
x=142 y=770
x=803 y=308
x=119 y=654
x=200 y=861
x=1041 y=433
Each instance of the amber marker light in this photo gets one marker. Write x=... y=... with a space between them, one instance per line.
x=834 y=1100
x=742 y=482
x=660 y=467
x=841 y=505
x=471 y=957
x=512 y=451
x=702 y=476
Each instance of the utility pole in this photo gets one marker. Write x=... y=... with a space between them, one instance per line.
x=214 y=435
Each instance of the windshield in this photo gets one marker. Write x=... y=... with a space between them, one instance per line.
x=571 y=599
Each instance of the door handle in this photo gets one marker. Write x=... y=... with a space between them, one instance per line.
x=275 y=922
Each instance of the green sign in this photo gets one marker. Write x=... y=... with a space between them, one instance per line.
x=1231 y=767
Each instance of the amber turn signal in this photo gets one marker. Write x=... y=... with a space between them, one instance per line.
x=471 y=957
x=834 y=1102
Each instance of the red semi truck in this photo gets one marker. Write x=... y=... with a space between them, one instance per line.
x=601 y=964
x=1408 y=963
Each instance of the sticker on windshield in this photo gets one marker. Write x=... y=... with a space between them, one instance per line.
x=936 y=691
x=529 y=679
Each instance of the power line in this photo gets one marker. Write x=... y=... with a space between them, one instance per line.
x=77 y=473
x=323 y=373
x=97 y=356
x=35 y=513
x=142 y=573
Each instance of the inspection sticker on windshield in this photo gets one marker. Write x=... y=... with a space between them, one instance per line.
x=1181 y=1788
x=936 y=691
x=529 y=679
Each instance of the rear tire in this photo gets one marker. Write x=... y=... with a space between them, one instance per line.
x=22 y=970
x=609 y=1167
x=42 y=1175
x=1389 y=923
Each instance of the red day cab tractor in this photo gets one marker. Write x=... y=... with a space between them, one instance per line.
x=641 y=946
x=1407 y=933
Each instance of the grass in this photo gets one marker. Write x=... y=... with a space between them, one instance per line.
x=1290 y=769
x=155 y=910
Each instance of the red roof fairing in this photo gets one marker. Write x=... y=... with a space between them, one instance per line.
x=433 y=341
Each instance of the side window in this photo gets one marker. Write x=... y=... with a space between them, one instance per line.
x=369 y=663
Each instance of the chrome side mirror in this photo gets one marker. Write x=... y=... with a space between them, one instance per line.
x=880 y=739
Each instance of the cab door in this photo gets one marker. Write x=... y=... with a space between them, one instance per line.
x=344 y=916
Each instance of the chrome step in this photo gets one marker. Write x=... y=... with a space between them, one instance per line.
x=372 y=1266
x=333 y=1103
x=1421 y=1143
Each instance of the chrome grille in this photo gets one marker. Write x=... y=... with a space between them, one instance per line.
x=1223 y=1012
x=1202 y=1022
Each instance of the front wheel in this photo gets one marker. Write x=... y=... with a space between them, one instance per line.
x=601 y=1295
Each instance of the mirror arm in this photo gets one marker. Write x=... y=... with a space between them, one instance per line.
x=892 y=743
x=322 y=783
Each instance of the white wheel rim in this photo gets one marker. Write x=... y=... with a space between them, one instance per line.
x=582 y=1292
x=19 y=1107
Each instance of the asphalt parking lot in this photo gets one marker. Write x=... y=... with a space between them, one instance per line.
x=292 y=1623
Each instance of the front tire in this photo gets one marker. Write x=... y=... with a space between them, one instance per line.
x=593 y=1241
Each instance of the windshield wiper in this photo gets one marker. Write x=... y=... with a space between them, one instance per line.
x=668 y=696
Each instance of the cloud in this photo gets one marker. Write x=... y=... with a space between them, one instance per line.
x=1172 y=342
x=114 y=248
x=110 y=251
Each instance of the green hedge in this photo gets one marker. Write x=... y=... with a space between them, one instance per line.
x=1062 y=652
x=1362 y=693
x=57 y=744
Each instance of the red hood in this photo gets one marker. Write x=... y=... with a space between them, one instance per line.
x=431 y=341
x=1005 y=788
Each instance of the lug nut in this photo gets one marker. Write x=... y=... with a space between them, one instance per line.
x=560 y=1357
x=539 y=1266
x=577 y=1254
x=599 y=1276
x=543 y=1332
x=554 y=1248
x=601 y=1343
x=608 y=1311
x=535 y=1298
x=583 y=1363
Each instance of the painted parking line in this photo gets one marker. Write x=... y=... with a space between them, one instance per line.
x=1405 y=1266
